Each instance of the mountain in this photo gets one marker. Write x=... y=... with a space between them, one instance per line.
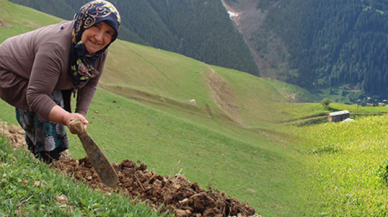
x=319 y=44
x=332 y=48
x=199 y=29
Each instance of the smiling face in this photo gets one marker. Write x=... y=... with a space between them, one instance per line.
x=97 y=37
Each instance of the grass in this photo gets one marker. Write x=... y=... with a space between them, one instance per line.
x=251 y=168
x=31 y=188
x=345 y=161
x=230 y=139
x=23 y=23
x=230 y=159
x=294 y=93
x=361 y=110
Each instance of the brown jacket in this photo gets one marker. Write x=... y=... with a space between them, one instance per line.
x=34 y=64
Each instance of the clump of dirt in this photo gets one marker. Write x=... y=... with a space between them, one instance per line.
x=173 y=194
x=14 y=134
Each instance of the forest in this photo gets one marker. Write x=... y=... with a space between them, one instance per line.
x=198 y=29
x=334 y=43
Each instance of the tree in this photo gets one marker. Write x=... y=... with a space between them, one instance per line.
x=325 y=103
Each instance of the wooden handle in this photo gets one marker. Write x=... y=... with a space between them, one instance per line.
x=77 y=126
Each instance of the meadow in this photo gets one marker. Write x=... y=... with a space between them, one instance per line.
x=229 y=139
x=249 y=137
x=348 y=163
x=253 y=169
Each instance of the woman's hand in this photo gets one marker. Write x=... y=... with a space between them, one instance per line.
x=61 y=116
x=71 y=116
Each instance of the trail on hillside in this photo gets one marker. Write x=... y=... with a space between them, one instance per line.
x=224 y=95
x=173 y=194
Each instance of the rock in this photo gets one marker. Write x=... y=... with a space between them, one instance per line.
x=182 y=213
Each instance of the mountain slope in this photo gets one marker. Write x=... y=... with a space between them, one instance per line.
x=333 y=46
x=198 y=29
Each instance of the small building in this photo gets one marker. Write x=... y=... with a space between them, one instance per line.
x=338 y=116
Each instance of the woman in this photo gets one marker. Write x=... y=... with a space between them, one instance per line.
x=40 y=69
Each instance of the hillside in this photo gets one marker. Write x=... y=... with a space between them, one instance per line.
x=198 y=29
x=228 y=139
x=161 y=193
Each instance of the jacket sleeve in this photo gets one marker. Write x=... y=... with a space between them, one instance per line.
x=44 y=76
x=86 y=93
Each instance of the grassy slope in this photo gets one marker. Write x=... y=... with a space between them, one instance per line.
x=22 y=22
x=31 y=188
x=344 y=160
x=225 y=139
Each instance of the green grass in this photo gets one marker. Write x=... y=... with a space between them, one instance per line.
x=235 y=162
x=361 y=110
x=232 y=159
x=294 y=93
x=292 y=113
x=229 y=139
x=297 y=111
x=344 y=162
x=23 y=22
x=31 y=188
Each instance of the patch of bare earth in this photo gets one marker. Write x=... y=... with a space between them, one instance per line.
x=223 y=94
x=173 y=194
x=267 y=48
x=4 y=24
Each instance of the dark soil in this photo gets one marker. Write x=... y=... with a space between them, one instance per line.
x=173 y=194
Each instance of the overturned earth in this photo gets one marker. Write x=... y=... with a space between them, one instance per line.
x=173 y=194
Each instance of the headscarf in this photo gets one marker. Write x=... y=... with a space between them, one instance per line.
x=81 y=62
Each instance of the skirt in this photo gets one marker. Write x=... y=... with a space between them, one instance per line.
x=45 y=139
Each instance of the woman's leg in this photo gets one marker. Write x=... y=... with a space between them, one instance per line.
x=45 y=139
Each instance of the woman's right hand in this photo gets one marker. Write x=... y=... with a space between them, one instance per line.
x=71 y=116
x=61 y=116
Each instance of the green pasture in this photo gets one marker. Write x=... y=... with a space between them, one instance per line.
x=255 y=139
x=245 y=164
x=229 y=139
x=313 y=113
x=17 y=19
x=345 y=160
x=361 y=110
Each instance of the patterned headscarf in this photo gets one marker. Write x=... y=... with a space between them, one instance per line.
x=81 y=62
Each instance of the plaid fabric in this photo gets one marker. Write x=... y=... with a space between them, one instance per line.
x=43 y=135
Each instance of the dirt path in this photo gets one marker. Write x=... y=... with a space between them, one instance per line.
x=175 y=194
x=224 y=95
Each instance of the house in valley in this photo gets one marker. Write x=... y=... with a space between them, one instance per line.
x=338 y=116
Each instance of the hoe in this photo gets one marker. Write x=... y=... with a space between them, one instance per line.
x=100 y=163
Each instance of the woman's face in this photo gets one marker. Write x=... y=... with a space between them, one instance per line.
x=97 y=37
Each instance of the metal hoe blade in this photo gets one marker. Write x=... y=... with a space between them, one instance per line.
x=100 y=163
